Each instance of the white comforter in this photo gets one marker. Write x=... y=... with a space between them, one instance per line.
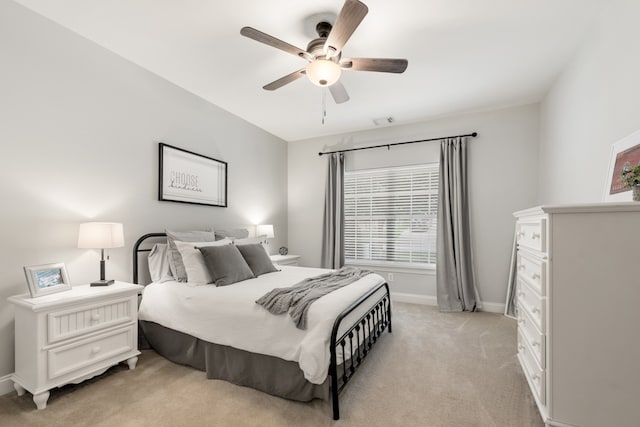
x=228 y=315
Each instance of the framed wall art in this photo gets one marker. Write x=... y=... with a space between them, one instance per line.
x=188 y=177
x=47 y=279
x=624 y=154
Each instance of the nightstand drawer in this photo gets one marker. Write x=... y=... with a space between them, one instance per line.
x=82 y=354
x=69 y=323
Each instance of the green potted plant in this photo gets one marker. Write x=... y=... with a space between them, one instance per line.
x=630 y=176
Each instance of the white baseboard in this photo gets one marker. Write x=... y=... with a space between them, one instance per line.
x=414 y=298
x=491 y=307
x=6 y=385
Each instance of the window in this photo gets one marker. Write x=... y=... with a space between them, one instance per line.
x=390 y=216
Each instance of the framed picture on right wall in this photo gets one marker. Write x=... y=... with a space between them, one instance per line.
x=625 y=154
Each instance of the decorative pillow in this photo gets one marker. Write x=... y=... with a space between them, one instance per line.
x=175 y=260
x=226 y=264
x=236 y=233
x=158 y=260
x=197 y=272
x=249 y=241
x=257 y=258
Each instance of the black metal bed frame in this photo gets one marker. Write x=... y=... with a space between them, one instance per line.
x=356 y=342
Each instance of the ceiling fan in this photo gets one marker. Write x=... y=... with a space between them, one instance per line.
x=324 y=53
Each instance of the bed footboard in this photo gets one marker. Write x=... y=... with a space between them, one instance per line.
x=357 y=341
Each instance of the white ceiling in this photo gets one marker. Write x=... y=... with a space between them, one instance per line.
x=464 y=55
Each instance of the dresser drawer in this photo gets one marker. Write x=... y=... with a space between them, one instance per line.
x=83 y=354
x=533 y=303
x=533 y=271
x=531 y=233
x=69 y=323
x=534 y=373
x=533 y=337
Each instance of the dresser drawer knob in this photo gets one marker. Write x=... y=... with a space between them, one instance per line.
x=96 y=349
x=521 y=294
x=521 y=267
x=535 y=276
x=535 y=236
x=95 y=317
x=520 y=234
x=536 y=377
x=536 y=344
x=535 y=310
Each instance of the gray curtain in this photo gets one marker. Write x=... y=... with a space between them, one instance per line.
x=454 y=267
x=333 y=226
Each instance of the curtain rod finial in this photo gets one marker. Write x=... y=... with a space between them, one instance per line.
x=320 y=154
x=474 y=134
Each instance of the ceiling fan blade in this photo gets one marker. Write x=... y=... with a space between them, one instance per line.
x=285 y=80
x=384 y=65
x=351 y=15
x=265 y=38
x=339 y=93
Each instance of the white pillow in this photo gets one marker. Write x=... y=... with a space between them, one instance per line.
x=158 y=260
x=194 y=265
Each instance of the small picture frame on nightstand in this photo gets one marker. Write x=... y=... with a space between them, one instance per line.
x=47 y=279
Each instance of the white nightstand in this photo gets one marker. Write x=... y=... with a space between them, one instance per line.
x=74 y=335
x=285 y=259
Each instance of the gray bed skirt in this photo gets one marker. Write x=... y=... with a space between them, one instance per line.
x=265 y=373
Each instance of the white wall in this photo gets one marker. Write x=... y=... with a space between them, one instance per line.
x=594 y=103
x=502 y=179
x=79 y=133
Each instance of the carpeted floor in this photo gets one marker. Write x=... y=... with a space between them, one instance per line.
x=435 y=369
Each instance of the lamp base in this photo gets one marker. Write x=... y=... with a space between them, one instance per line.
x=102 y=283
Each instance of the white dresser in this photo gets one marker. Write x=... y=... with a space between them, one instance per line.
x=74 y=335
x=578 y=298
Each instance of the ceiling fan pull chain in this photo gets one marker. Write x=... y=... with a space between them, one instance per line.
x=324 y=105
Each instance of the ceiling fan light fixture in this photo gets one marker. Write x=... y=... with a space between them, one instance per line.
x=323 y=72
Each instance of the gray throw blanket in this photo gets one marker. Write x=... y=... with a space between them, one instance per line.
x=297 y=299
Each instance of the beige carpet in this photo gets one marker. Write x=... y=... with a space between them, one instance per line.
x=435 y=369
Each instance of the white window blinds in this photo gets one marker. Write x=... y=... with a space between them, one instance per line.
x=390 y=216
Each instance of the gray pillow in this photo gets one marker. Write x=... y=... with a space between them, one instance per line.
x=175 y=259
x=257 y=258
x=236 y=233
x=225 y=264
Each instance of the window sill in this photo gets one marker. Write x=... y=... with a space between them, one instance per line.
x=422 y=271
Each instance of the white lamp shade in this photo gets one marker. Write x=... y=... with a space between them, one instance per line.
x=265 y=230
x=323 y=72
x=100 y=235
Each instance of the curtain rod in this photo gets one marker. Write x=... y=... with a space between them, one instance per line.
x=474 y=134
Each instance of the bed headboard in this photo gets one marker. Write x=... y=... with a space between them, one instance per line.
x=142 y=246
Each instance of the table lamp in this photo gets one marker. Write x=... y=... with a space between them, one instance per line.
x=101 y=235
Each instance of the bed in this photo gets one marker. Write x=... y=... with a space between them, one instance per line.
x=222 y=331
